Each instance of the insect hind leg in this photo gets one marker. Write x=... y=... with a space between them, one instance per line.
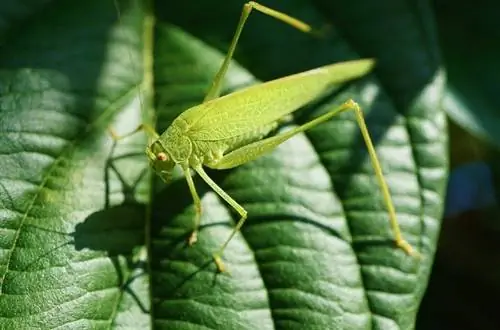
x=215 y=87
x=398 y=237
x=257 y=149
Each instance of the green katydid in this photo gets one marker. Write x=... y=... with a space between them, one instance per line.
x=228 y=131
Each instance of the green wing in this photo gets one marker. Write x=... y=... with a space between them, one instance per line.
x=249 y=109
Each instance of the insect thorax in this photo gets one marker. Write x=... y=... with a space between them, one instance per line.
x=176 y=143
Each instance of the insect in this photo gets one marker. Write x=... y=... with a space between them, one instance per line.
x=228 y=131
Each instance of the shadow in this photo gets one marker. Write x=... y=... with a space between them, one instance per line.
x=464 y=285
x=178 y=286
x=169 y=240
x=68 y=67
x=118 y=230
x=171 y=202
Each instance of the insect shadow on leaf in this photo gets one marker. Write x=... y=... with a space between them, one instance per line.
x=117 y=230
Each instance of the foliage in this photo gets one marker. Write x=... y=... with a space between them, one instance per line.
x=90 y=240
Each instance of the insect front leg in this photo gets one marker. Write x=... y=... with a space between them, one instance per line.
x=214 y=90
x=197 y=204
x=241 y=211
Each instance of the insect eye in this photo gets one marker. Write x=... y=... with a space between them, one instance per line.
x=161 y=156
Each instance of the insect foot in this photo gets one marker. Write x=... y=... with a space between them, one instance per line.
x=406 y=247
x=221 y=268
x=193 y=238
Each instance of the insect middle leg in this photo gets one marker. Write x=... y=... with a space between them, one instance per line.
x=215 y=87
x=256 y=149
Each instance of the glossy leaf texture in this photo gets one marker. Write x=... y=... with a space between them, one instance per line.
x=89 y=239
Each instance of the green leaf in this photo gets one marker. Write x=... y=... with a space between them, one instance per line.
x=90 y=240
x=71 y=231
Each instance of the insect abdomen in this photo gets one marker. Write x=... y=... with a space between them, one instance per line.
x=241 y=140
x=211 y=151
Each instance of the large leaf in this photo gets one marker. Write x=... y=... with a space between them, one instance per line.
x=89 y=241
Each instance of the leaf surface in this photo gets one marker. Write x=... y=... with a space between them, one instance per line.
x=90 y=240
